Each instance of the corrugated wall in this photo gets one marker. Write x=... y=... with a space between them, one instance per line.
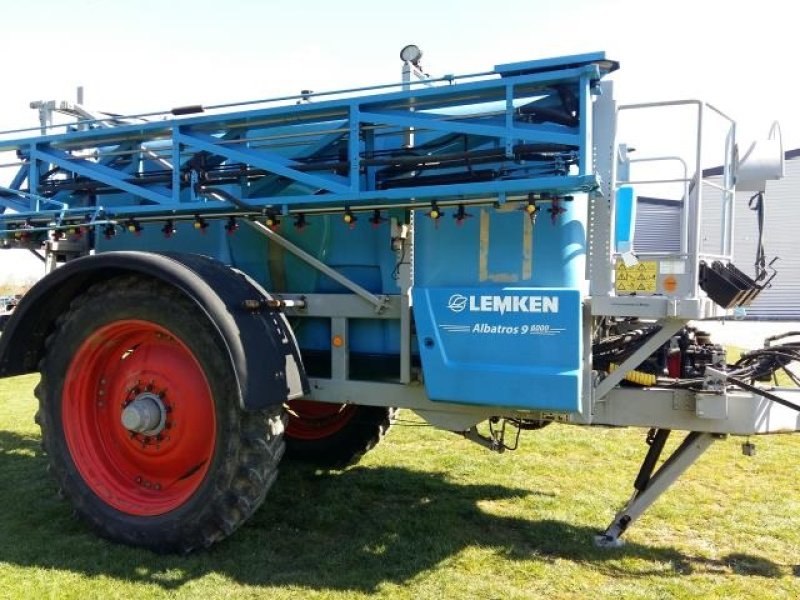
x=658 y=226
x=781 y=238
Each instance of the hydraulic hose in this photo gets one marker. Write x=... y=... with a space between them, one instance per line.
x=637 y=377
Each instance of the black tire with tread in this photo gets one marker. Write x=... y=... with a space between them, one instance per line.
x=249 y=445
x=345 y=447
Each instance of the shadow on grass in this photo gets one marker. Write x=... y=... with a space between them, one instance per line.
x=349 y=530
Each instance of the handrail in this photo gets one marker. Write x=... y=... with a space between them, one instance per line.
x=692 y=203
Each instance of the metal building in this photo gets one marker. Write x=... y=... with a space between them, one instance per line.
x=781 y=226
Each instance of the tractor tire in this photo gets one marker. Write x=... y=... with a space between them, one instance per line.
x=334 y=435
x=141 y=422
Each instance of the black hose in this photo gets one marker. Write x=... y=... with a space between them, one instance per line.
x=768 y=395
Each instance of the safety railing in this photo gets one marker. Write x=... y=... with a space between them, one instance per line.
x=693 y=217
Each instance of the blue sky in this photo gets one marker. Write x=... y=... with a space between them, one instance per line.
x=155 y=54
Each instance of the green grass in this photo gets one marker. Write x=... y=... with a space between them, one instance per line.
x=8 y=289
x=428 y=515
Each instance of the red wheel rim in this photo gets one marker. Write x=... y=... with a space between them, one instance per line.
x=309 y=420
x=136 y=473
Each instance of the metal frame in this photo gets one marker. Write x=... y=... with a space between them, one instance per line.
x=257 y=138
x=378 y=302
x=668 y=328
x=648 y=489
x=737 y=413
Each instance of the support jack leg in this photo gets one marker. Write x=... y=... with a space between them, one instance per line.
x=648 y=485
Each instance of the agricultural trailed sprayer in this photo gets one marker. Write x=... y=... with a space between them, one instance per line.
x=229 y=282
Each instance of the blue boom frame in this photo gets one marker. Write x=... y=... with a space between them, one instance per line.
x=523 y=128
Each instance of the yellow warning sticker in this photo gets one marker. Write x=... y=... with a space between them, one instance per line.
x=639 y=278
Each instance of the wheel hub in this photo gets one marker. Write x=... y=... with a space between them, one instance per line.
x=145 y=414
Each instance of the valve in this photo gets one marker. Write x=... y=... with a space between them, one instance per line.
x=272 y=221
x=168 y=229
x=435 y=213
x=86 y=228
x=555 y=210
x=231 y=226
x=131 y=226
x=532 y=211
x=73 y=231
x=376 y=219
x=300 y=222
x=461 y=214
x=350 y=218
x=21 y=234
x=200 y=224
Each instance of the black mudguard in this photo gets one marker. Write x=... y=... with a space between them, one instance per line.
x=260 y=343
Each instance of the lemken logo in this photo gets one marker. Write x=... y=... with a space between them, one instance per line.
x=504 y=304
x=457 y=303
